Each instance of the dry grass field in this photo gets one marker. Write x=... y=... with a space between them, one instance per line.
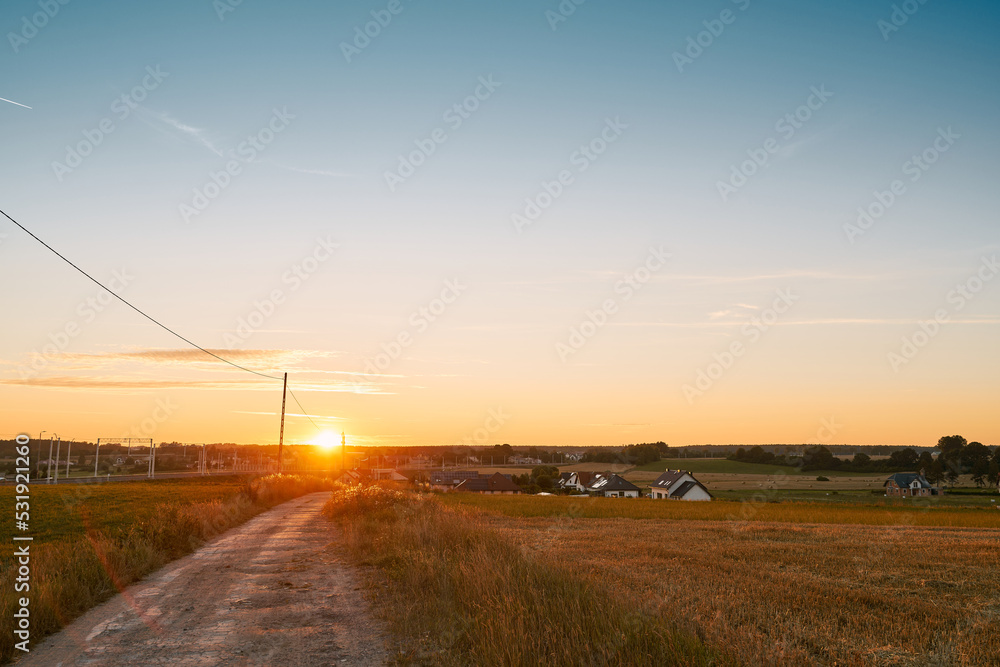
x=780 y=594
x=464 y=577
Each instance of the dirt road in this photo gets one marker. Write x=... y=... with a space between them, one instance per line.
x=271 y=592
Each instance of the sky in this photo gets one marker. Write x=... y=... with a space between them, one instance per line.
x=535 y=223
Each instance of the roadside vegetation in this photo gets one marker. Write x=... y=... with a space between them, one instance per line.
x=93 y=540
x=460 y=592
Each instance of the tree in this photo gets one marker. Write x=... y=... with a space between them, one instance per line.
x=925 y=461
x=975 y=452
x=819 y=458
x=951 y=446
x=994 y=474
x=951 y=472
x=547 y=471
x=935 y=472
x=861 y=460
x=904 y=458
x=980 y=471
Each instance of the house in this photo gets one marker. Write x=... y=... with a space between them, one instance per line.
x=613 y=486
x=577 y=481
x=495 y=484
x=386 y=475
x=446 y=480
x=909 y=484
x=678 y=485
x=349 y=478
x=367 y=475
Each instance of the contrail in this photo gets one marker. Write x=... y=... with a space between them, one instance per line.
x=13 y=102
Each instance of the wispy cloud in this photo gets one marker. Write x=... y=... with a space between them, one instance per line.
x=799 y=323
x=164 y=122
x=287 y=414
x=124 y=384
x=315 y=172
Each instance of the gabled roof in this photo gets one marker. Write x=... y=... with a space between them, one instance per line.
x=904 y=479
x=613 y=483
x=495 y=482
x=451 y=476
x=668 y=478
x=683 y=488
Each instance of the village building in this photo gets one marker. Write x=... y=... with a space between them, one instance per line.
x=678 y=485
x=613 y=486
x=368 y=475
x=495 y=484
x=447 y=480
x=577 y=481
x=908 y=485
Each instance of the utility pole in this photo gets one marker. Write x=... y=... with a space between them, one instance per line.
x=58 y=447
x=281 y=433
x=69 y=448
x=97 y=453
x=38 y=454
x=48 y=464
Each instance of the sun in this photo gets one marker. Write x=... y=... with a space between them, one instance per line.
x=326 y=440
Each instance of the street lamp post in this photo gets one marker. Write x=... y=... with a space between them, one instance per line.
x=69 y=448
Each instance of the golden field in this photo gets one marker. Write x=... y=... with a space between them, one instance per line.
x=769 y=593
x=463 y=577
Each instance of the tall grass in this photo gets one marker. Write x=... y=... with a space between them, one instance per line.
x=70 y=577
x=463 y=594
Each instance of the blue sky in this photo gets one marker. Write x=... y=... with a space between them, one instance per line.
x=324 y=174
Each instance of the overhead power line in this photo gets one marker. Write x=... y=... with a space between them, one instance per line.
x=148 y=317
x=154 y=320
x=296 y=399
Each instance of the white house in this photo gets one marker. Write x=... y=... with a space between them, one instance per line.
x=577 y=481
x=678 y=485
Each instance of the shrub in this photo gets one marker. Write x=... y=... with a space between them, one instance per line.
x=822 y=479
x=359 y=500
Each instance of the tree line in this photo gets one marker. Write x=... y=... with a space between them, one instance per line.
x=956 y=456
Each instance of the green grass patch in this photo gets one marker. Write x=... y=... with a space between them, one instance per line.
x=725 y=466
x=762 y=506
x=65 y=512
